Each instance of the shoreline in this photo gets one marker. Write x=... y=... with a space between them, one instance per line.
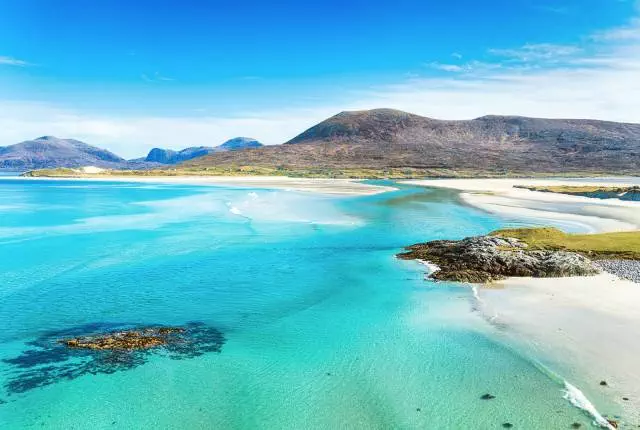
x=585 y=327
x=586 y=214
x=339 y=187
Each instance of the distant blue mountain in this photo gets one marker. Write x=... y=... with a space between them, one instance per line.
x=240 y=143
x=168 y=156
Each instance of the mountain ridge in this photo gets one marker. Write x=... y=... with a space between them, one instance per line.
x=50 y=151
x=46 y=152
x=387 y=138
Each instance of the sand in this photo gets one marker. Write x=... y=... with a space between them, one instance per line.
x=574 y=213
x=339 y=187
x=586 y=329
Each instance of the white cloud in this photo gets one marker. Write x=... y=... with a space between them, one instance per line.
x=538 y=52
x=10 y=61
x=133 y=137
x=447 y=67
x=156 y=77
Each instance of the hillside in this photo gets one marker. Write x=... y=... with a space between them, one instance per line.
x=49 y=151
x=384 y=138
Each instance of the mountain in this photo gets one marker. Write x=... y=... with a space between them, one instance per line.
x=386 y=138
x=50 y=152
x=168 y=156
x=238 y=143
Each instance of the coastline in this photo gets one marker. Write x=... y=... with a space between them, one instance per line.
x=585 y=327
x=586 y=214
x=339 y=187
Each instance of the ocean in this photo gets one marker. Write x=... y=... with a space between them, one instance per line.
x=300 y=315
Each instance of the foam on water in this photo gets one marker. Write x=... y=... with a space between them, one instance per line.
x=580 y=401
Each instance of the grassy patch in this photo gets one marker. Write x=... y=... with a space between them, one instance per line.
x=623 y=245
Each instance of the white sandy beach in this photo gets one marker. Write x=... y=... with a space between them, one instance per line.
x=586 y=328
x=585 y=214
x=341 y=187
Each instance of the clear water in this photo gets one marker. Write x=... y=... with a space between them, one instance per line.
x=324 y=328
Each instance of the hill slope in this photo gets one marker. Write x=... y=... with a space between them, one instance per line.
x=49 y=151
x=385 y=138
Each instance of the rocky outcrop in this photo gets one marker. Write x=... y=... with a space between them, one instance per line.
x=487 y=258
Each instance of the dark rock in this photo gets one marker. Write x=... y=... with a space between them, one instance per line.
x=482 y=259
x=603 y=383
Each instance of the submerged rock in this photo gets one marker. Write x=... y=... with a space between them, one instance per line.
x=104 y=348
x=127 y=339
x=482 y=259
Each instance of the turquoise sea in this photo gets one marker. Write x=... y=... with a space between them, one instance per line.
x=302 y=316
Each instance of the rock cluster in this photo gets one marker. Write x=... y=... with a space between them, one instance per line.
x=482 y=259
x=626 y=269
x=126 y=339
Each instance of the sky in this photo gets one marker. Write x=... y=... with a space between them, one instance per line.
x=133 y=75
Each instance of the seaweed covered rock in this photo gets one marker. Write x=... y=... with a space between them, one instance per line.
x=487 y=258
x=127 y=339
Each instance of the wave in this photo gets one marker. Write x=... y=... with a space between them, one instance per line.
x=432 y=268
x=580 y=401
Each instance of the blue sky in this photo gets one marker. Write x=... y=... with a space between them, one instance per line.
x=130 y=75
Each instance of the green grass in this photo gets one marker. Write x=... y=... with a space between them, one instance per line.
x=622 y=245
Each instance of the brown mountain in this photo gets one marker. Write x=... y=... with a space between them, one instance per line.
x=385 y=138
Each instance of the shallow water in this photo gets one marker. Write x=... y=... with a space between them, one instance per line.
x=322 y=327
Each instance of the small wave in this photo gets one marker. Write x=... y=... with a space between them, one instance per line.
x=234 y=210
x=580 y=401
x=481 y=306
x=432 y=268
